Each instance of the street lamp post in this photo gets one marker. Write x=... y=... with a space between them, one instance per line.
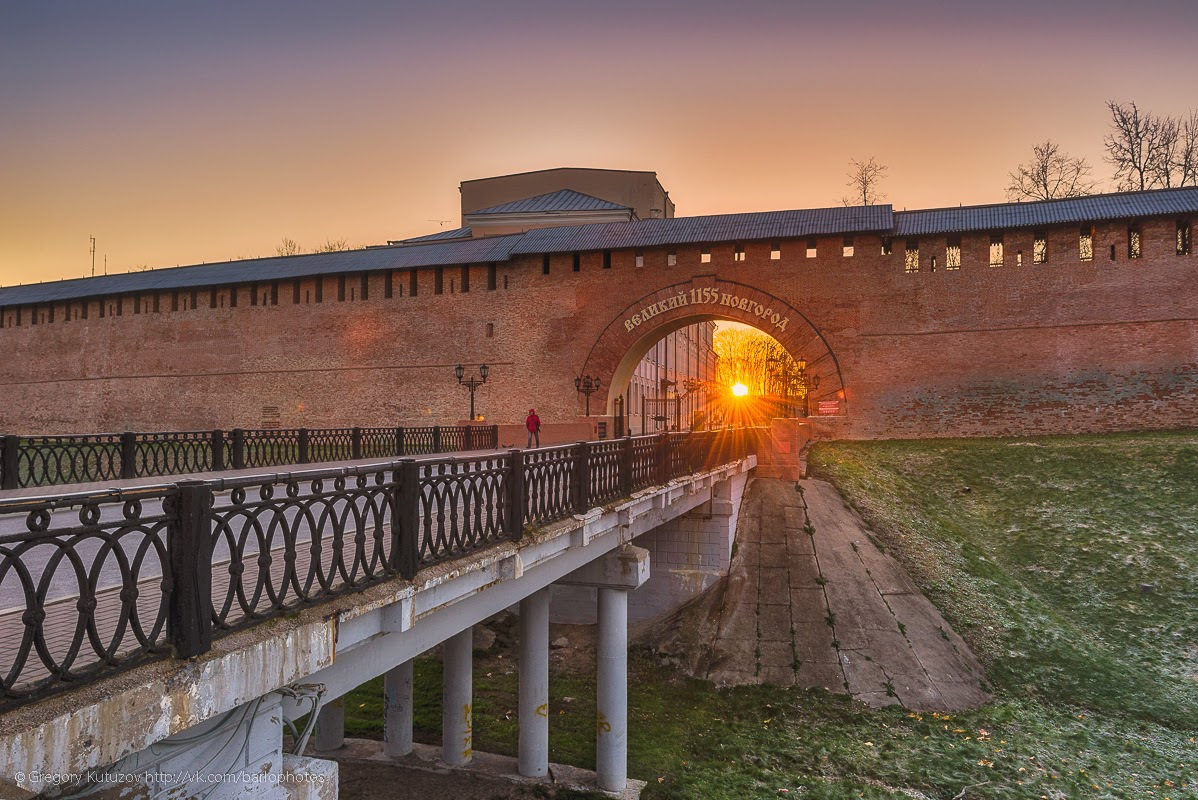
x=808 y=382
x=472 y=382
x=588 y=386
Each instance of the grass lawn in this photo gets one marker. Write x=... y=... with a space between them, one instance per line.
x=1035 y=550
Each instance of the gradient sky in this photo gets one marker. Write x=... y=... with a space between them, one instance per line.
x=180 y=132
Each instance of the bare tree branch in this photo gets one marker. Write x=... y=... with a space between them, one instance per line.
x=1185 y=159
x=864 y=177
x=1050 y=174
x=331 y=246
x=1148 y=150
x=288 y=247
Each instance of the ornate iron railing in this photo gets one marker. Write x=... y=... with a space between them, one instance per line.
x=94 y=582
x=27 y=461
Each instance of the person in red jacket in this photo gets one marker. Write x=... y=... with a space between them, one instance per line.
x=533 y=423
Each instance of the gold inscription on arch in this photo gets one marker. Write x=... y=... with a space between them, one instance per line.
x=707 y=296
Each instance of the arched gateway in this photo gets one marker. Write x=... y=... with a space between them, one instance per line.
x=628 y=337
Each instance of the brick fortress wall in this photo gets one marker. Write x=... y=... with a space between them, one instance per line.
x=1065 y=346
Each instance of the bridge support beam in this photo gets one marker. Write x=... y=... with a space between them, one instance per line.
x=397 y=710
x=330 y=726
x=457 y=736
x=614 y=575
x=534 y=685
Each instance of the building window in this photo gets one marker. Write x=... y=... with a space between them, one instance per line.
x=388 y=285
x=640 y=259
x=319 y=290
x=952 y=253
x=932 y=264
x=811 y=248
x=295 y=293
x=1133 y=241
x=578 y=262
x=364 y=286
x=413 y=284
x=212 y=299
x=1184 y=232
x=465 y=277
x=738 y=254
x=545 y=264
x=505 y=280
x=671 y=259
x=340 y=288
x=996 y=254
x=775 y=251
x=846 y=249
x=274 y=293
x=491 y=277
x=1112 y=252
x=1039 y=248
x=1085 y=243
x=439 y=280
x=490 y=330
x=705 y=257
x=887 y=245
x=606 y=260
x=911 y=260
x=1019 y=258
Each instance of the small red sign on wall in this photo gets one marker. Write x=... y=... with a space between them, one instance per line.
x=828 y=407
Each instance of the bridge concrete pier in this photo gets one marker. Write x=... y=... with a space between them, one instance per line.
x=457 y=698
x=534 y=685
x=614 y=576
x=330 y=726
x=397 y=710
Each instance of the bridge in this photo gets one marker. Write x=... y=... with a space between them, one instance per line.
x=164 y=638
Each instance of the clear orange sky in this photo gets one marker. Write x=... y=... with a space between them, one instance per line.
x=180 y=134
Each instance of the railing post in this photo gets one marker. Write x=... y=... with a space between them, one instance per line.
x=494 y=443
x=436 y=438
x=626 y=467
x=407 y=516
x=218 y=451
x=128 y=455
x=517 y=498
x=399 y=441
x=238 y=448
x=189 y=544
x=663 y=459
x=355 y=444
x=9 y=462
x=582 y=478
x=469 y=438
x=305 y=446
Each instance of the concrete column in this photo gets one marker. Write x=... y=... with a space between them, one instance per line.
x=330 y=726
x=397 y=710
x=534 y=684
x=611 y=700
x=457 y=739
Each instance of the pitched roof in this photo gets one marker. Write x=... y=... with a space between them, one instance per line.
x=1123 y=205
x=714 y=228
x=456 y=233
x=561 y=200
x=467 y=251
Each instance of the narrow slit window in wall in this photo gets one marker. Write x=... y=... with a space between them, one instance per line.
x=996 y=250
x=952 y=253
x=1085 y=243
x=1039 y=248
x=911 y=258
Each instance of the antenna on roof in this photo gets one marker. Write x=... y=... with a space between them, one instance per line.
x=441 y=221
x=93 y=238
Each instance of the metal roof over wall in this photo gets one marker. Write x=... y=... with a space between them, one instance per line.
x=429 y=251
x=468 y=251
x=1125 y=205
x=699 y=230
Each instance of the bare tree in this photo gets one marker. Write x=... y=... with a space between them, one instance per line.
x=288 y=247
x=744 y=357
x=331 y=246
x=1050 y=174
x=1146 y=149
x=864 y=178
x=1185 y=159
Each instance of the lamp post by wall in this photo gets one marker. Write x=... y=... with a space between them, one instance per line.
x=588 y=386
x=472 y=383
x=808 y=382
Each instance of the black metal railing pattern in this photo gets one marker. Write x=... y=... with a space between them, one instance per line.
x=85 y=588
x=27 y=461
x=91 y=583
